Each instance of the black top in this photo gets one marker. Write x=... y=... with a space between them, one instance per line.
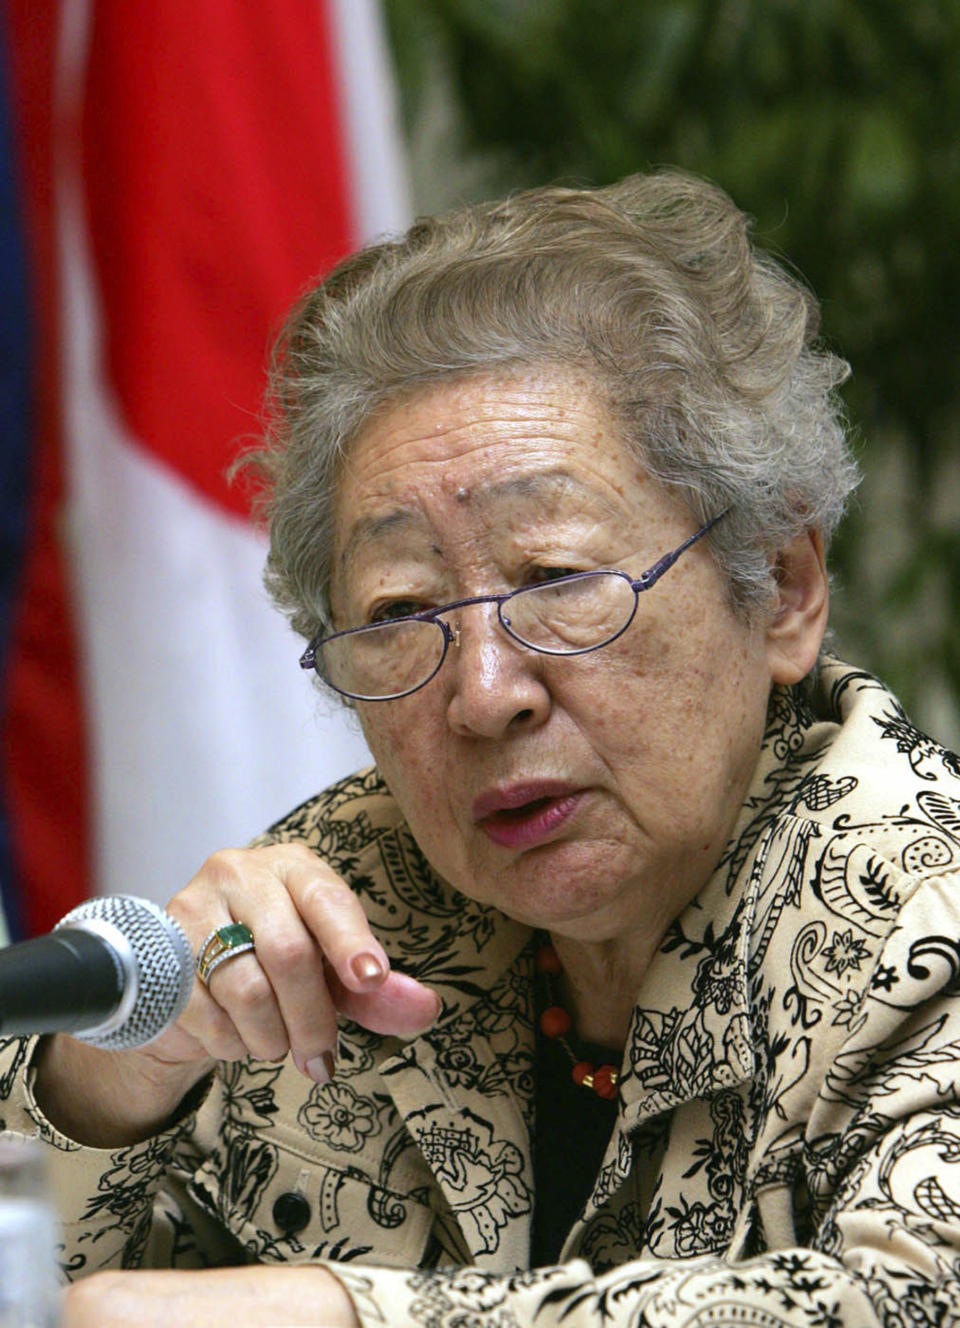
x=571 y=1130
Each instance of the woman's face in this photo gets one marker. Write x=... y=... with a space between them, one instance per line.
x=590 y=795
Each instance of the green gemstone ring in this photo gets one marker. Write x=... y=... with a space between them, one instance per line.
x=222 y=944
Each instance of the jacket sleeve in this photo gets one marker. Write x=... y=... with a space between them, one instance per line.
x=118 y=1208
x=881 y=1170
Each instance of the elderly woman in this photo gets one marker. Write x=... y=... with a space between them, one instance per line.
x=623 y=989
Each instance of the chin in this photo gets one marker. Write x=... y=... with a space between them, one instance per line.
x=551 y=902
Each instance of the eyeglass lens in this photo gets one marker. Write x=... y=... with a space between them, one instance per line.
x=386 y=660
x=562 y=617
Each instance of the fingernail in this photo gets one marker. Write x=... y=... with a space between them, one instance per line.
x=320 y=1068
x=366 y=967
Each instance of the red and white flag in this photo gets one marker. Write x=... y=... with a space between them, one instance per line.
x=209 y=159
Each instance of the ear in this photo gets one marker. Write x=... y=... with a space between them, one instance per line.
x=795 y=632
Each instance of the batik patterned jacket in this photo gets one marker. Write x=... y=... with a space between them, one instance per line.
x=788 y=1144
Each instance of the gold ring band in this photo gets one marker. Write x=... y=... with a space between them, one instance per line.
x=222 y=944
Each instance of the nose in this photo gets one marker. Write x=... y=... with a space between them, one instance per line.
x=496 y=685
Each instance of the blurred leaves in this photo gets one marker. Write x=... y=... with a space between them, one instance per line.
x=836 y=123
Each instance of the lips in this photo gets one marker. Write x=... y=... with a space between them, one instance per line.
x=524 y=814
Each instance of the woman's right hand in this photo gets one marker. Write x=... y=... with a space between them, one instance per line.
x=315 y=958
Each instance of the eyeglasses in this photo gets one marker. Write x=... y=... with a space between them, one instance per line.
x=570 y=615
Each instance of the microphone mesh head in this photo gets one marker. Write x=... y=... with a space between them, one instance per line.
x=164 y=962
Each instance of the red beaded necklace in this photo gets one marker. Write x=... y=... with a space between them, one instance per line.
x=555 y=1023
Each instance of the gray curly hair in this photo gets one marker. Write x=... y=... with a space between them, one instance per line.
x=704 y=348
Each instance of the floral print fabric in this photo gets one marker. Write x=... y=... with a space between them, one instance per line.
x=787 y=1149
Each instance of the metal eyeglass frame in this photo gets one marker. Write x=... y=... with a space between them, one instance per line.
x=310 y=658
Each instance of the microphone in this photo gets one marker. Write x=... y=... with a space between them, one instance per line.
x=115 y=972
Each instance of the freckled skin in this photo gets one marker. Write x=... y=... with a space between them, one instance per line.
x=660 y=730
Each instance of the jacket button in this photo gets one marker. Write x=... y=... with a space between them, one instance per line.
x=291 y=1212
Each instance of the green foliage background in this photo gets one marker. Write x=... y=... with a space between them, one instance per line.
x=836 y=123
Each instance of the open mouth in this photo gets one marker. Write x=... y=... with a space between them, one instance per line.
x=529 y=822
x=507 y=815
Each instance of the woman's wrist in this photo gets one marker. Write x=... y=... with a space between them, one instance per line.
x=255 y=1297
x=107 y=1099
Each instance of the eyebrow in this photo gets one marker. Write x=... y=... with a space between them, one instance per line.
x=541 y=484
x=369 y=528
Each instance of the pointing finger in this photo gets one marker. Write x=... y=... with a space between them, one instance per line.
x=400 y=1007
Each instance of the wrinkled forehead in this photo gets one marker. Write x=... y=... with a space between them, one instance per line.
x=502 y=505
x=489 y=449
